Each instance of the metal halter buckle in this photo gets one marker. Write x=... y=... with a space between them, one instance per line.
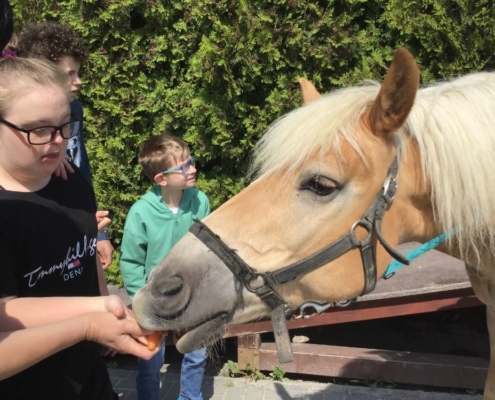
x=255 y=284
x=318 y=308
x=389 y=189
x=366 y=225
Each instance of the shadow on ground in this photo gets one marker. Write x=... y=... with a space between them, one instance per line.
x=455 y=332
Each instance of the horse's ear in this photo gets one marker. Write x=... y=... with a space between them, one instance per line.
x=396 y=97
x=308 y=91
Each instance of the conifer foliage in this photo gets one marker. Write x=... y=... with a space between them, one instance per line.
x=218 y=72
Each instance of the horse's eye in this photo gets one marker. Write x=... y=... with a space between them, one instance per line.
x=321 y=186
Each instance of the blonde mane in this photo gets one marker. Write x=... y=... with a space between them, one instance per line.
x=453 y=124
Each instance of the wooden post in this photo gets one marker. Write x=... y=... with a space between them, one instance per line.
x=248 y=347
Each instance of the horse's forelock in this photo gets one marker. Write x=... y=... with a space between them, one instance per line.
x=317 y=126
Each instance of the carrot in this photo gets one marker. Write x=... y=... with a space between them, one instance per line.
x=153 y=340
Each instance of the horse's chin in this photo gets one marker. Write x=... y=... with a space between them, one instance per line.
x=203 y=335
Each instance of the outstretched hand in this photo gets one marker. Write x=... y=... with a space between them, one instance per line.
x=118 y=334
x=116 y=306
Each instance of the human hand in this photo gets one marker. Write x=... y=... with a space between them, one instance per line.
x=116 y=306
x=118 y=334
x=102 y=220
x=105 y=251
x=63 y=168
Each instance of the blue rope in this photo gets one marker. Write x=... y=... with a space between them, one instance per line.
x=412 y=255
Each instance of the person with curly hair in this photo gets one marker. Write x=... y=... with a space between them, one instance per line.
x=60 y=44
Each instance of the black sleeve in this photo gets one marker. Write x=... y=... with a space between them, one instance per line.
x=8 y=279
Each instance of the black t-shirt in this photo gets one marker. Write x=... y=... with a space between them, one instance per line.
x=48 y=248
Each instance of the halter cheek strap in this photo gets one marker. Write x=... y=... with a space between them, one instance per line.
x=262 y=283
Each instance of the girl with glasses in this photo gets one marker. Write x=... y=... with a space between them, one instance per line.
x=48 y=236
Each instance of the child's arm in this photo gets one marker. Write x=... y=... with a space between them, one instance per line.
x=28 y=312
x=24 y=348
x=133 y=255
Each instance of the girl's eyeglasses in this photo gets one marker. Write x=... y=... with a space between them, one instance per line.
x=45 y=134
x=184 y=168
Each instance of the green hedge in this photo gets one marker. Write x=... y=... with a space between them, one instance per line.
x=218 y=72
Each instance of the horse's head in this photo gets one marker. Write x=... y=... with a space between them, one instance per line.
x=320 y=169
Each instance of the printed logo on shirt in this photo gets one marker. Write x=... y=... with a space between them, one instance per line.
x=74 y=264
x=70 y=267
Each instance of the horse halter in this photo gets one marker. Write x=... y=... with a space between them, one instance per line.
x=262 y=284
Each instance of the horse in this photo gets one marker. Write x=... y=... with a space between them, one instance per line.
x=338 y=183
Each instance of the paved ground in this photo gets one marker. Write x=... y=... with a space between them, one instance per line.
x=220 y=388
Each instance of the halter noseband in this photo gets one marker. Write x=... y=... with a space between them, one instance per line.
x=262 y=283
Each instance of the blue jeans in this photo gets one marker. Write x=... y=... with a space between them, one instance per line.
x=191 y=377
x=148 y=376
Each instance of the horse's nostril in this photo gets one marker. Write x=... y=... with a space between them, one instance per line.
x=173 y=292
x=166 y=287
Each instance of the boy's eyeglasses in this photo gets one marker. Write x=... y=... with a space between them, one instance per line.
x=184 y=168
x=45 y=134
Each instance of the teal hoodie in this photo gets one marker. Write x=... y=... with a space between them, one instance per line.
x=151 y=230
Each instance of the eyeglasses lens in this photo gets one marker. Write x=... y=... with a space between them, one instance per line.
x=187 y=166
x=46 y=134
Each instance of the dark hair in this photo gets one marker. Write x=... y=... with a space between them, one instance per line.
x=51 y=40
x=6 y=23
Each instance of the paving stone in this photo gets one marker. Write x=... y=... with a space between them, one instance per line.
x=314 y=396
x=235 y=392
x=126 y=383
x=223 y=388
x=114 y=381
x=133 y=375
x=281 y=394
x=119 y=373
x=293 y=387
x=215 y=387
x=170 y=390
x=361 y=395
x=123 y=393
x=170 y=377
x=253 y=392
x=338 y=396
x=131 y=395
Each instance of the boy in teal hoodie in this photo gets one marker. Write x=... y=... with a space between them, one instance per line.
x=155 y=223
